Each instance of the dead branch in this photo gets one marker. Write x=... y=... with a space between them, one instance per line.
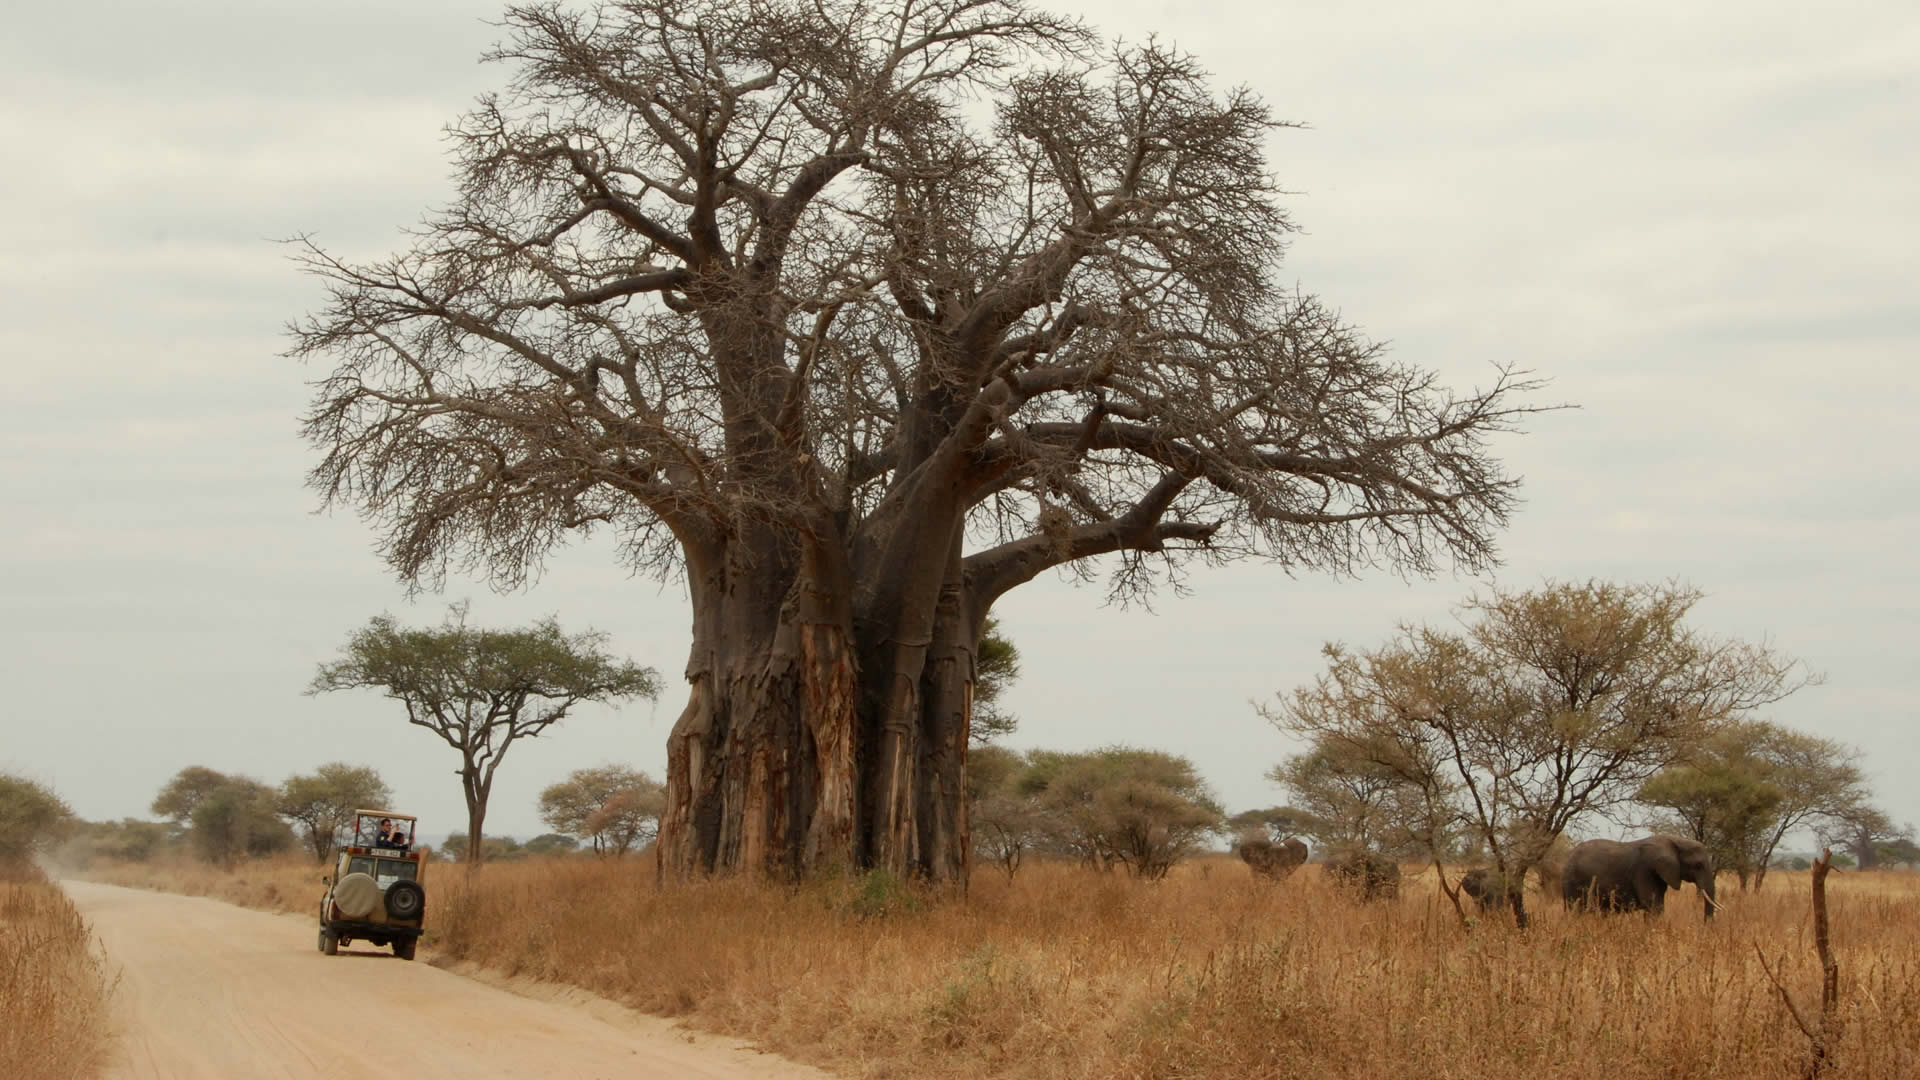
x=1452 y=892
x=1828 y=1031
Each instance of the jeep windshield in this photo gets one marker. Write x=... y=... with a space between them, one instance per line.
x=383 y=871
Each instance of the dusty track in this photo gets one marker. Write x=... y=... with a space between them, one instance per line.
x=211 y=990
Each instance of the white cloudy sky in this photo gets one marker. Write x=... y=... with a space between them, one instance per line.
x=1699 y=220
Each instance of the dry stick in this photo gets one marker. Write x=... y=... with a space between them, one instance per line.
x=1452 y=893
x=1830 y=984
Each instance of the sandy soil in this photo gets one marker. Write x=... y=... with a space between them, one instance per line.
x=211 y=990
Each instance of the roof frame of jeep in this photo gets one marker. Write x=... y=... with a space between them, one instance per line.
x=412 y=852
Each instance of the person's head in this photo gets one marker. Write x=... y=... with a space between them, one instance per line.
x=386 y=824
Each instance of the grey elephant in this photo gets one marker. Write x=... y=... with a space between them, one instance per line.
x=1488 y=889
x=1372 y=876
x=1609 y=875
x=1271 y=860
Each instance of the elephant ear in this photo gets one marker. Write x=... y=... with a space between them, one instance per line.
x=1664 y=859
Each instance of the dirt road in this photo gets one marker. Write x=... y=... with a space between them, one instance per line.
x=211 y=990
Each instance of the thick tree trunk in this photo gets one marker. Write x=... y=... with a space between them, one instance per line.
x=1865 y=856
x=812 y=740
x=942 y=840
x=760 y=771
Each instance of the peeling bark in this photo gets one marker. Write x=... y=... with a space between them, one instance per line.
x=811 y=739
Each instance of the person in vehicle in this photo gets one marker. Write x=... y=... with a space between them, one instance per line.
x=390 y=837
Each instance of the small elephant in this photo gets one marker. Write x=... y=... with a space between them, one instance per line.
x=1373 y=876
x=1271 y=860
x=1488 y=889
x=1608 y=875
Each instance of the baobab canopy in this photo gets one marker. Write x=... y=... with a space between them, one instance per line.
x=855 y=317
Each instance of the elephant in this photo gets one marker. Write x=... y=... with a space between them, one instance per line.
x=1373 y=876
x=1271 y=860
x=1488 y=889
x=1608 y=875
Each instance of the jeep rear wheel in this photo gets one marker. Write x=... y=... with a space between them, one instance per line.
x=329 y=943
x=403 y=947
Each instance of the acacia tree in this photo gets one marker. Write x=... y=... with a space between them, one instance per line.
x=239 y=818
x=1546 y=706
x=1143 y=810
x=224 y=817
x=322 y=804
x=1753 y=783
x=176 y=800
x=1727 y=806
x=612 y=807
x=761 y=289
x=1351 y=801
x=996 y=664
x=483 y=690
x=1006 y=821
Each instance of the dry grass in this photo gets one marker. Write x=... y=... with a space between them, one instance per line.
x=289 y=884
x=53 y=987
x=1071 y=973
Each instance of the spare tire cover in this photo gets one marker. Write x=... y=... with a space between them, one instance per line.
x=356 y=895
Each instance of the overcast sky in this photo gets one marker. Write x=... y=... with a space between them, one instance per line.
x=1698 y=220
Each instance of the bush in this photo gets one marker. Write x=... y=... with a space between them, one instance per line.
x=32 y=817
x=239 y=818
x=1143 y=810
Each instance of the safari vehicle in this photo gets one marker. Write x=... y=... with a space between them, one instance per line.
x=374 y=893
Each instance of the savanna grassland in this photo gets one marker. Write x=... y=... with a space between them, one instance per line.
x=53 y=985
x=1068 y=972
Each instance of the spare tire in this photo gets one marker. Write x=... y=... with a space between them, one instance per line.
x=406 y=900
x=356 y=895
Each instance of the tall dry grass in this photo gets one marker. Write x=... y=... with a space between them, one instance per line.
x=286 y=884
x=53 y=986
x=1071 y=973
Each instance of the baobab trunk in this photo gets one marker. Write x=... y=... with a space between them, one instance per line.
x=760 y=763
x=811 y=740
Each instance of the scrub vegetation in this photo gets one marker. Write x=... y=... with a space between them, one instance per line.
x=53 y=985
x=1068 y=971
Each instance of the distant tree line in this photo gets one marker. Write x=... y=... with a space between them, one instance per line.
x=223 y=818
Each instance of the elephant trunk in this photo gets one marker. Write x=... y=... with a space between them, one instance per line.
x=1705 y=884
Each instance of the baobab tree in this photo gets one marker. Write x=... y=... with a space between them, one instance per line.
x=855 y=316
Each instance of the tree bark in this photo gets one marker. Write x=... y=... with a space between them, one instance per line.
x=760 y=767
x=475 y=788
x=812 y=738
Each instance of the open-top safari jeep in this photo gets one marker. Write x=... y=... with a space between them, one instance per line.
x=374 y=893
